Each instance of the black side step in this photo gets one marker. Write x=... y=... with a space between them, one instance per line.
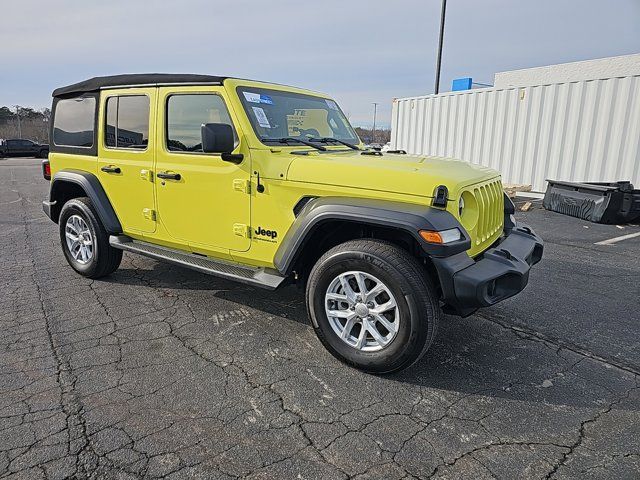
x=261 y=277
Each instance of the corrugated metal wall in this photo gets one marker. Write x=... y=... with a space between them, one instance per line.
x=577 y=131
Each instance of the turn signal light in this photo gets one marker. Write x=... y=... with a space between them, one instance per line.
x=445 y=236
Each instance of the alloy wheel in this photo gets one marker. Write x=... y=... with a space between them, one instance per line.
x=362 y=311
x=79 y=239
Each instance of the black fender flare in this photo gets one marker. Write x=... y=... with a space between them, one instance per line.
x=405 y=216
x=93 y=189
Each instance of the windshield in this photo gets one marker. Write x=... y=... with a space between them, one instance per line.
x=277 y=115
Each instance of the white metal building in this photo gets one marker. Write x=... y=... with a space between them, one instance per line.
x=576 y=121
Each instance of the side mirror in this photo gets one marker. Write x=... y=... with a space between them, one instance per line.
x=218 y=138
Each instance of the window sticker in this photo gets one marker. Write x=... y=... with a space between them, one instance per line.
x=258 y=98
x=332 y=105
x=252 y=97
x=263 y=121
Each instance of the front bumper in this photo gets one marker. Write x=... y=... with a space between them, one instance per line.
x=499 y=273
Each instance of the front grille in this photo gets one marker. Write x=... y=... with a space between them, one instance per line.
x=484 y=216
x=490 y=218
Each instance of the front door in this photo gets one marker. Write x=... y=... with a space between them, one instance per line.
x=126 y=153
x=202 y=200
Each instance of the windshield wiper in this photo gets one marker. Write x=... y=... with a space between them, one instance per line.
x=330 y=139
x=292 y=139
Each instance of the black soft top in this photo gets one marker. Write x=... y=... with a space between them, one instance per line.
x=97 y=83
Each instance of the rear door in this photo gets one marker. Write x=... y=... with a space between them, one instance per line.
x=14 y=148
x=126 y=153
x=207 y=204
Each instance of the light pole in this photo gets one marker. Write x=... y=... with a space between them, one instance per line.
x=439 y=60
x=373 y=134
x=19 y=125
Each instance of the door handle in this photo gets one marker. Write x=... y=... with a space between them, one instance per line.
x=168 y=176
x=111 y=169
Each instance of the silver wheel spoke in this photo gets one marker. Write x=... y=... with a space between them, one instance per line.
x=341 y=313
x=348 y=291
x=375 y=291
x=371 y=328
x=361 y=338
x=338 y=297
x=348 y=327
x=391 y=327
x=361 y=286
x=385 y=306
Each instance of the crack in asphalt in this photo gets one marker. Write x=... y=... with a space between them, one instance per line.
x=534 y=335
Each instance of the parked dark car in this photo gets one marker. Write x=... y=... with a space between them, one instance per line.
x=23 y=148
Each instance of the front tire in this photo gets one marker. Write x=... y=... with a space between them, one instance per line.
x=84 y=240
x=373 y=305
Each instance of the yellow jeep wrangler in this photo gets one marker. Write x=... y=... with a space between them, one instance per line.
x=267 y=184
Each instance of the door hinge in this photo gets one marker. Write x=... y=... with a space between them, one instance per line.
x=242 y=230
x=149 y=214
x=146 y=175
x=242 y=185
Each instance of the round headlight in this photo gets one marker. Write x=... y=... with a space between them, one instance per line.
x=460 y=206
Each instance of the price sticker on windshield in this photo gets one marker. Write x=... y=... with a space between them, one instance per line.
x=263 y=121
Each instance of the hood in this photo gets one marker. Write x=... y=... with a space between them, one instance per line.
x=398 y=173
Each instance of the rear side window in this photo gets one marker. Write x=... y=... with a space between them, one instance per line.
x=185 y=115
x=73 y=123
x=127 y=122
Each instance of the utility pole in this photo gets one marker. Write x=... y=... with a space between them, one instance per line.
x=19 y=124
x=439 y=60
x=373 y=134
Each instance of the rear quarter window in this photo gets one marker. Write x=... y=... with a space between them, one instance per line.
x=74 y=122
x=127 y=122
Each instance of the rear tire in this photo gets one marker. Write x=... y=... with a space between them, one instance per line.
x=353 y=285
x=84 y=240
x=43 y=154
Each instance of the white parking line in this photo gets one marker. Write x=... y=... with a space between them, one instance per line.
x=611 y=241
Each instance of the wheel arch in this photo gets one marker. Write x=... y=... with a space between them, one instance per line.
x=324 y=222
x=69 y=184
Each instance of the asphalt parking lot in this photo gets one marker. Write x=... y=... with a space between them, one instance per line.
x=159 y=371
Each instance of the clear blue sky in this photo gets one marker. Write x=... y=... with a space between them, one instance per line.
x=359 y=51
